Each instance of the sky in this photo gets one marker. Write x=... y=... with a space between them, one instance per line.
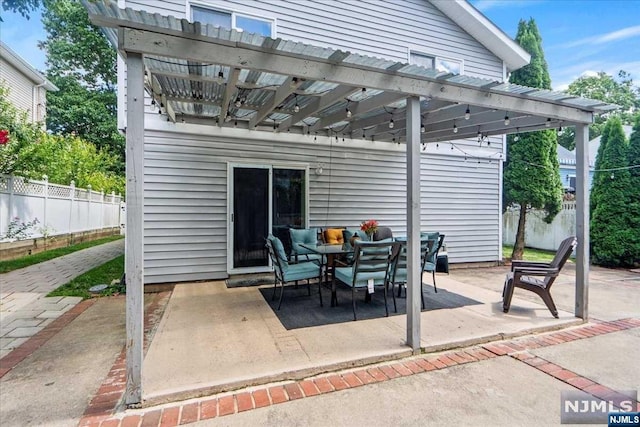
x=580 y=37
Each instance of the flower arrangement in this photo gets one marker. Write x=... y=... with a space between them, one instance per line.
x=370 y=226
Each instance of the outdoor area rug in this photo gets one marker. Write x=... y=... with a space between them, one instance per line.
x=299 y=310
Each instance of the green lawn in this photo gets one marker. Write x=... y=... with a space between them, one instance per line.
x=15 y=264
x=529 y=254
x=79 y=287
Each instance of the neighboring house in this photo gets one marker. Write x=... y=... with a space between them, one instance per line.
x=27 y=87
x=567 y=161
x=193 y=174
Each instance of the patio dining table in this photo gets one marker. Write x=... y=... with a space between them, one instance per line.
x=329 y=254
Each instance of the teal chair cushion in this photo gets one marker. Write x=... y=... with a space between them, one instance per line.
x=302 y=271
x=349 y=233
x=431 y=236
x=345 y=275
x=307 y=236
x=279 y=249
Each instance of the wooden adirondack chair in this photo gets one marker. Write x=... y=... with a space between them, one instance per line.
x=537 y=277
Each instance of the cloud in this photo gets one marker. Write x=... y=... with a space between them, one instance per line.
x=622 y=34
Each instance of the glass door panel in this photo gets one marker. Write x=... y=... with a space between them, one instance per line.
x=250 y=217
x=289 y=202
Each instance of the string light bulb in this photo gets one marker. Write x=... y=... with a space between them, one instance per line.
x=506 y=120
x=422 y=128
x=227 y=118
x=467 y=114
x=296 y=108
x=455 y=128
x=238 y=102
x=391 y=124
x=349 y=114
x=548 y=122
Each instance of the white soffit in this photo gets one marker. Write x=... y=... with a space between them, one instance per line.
x=485 y=31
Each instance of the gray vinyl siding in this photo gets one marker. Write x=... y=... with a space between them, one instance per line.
x=186 y=197
x=20 y=88
x=378 y=28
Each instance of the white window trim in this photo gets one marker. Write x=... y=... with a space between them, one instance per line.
x=233 y=13
x=417 y=51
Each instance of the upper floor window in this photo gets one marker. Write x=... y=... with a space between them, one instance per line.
x=237 y=21
x=445 y=65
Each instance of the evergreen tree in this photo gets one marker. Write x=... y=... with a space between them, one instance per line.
x=611 y=238
x=531 y=173
x=598 y=177
x=633 y=157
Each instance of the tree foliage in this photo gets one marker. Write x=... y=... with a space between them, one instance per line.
x=23 y=7
x=633 y=157
x=606 y=88
x=531 y=173
x=82 y=63
x=31 y=152
x=611 y=238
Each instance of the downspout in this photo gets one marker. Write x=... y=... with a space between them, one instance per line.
x=35 y=98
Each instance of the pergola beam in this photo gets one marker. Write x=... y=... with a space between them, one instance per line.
x=318 y=104
x=134 y=253
x=237 y=54
x=357 y=108
x=157 y=89
x=582 y=222
x=229 y=90
x=287 y=88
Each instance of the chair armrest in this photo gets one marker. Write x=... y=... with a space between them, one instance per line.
x=533 y=271
x=534 y=264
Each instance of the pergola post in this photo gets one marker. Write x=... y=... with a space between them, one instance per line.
x=134 y=235
x=582 y=221
x=414 y=273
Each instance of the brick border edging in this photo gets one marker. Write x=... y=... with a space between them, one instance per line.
x=262 y=396
x=17 y=355
x=110 y=392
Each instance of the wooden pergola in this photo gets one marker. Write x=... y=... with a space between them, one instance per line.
x=206 y=74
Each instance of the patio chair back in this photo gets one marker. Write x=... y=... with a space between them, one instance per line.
x=399 y=275
x=285 y=272
x=537 y=277
x=373 y=263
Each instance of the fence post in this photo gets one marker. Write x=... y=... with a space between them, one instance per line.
x=89 y=194
x=45 y=178
x=101 y=209
x=73 y=198
x=113 y=202
x=10 y=207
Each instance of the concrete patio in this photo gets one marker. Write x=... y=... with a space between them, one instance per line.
x=213 y=338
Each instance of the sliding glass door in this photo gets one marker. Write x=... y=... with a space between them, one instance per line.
x=263 y=199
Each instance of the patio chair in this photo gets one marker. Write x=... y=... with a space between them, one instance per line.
x=372 y=261
x=523 y=275
x=430 y=261
x=304 y=236
x=399 y=275
x=382 y=233
x=285 y=272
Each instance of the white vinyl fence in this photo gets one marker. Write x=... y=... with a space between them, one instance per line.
x=537 y=233
x=59 y=209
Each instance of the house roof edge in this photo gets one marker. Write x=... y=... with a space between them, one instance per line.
x=486 y=32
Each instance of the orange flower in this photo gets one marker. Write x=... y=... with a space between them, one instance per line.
x=370 y=226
